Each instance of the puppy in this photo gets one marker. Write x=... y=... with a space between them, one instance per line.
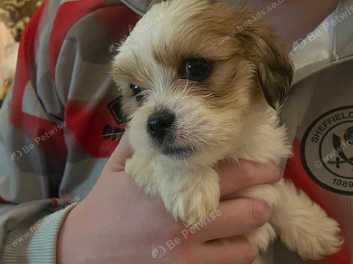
x=200 y=84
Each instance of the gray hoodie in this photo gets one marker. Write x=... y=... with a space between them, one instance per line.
x=63 y=100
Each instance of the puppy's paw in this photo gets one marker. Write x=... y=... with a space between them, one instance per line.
x=313 y=235
x=198 y=198
x=315 y=238
x=303 y=225
x=141 y=170
x=195 y=207
x=262 y=237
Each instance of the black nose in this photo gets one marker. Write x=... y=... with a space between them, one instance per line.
x=159 y=124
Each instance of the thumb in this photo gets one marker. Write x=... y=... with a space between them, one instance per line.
x=122 y=153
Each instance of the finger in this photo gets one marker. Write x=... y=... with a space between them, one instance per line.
x=228 y=251
x=123 y=152
x=237 y=176
x=235 y=217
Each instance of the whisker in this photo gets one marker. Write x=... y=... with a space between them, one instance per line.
x=186 y=88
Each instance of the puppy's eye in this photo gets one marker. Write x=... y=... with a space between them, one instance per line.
x=135 y=89
x=195 y=69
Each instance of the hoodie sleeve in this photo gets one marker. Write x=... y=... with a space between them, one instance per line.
x=61 y=101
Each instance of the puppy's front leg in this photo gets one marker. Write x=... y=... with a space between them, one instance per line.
x=190 y=195
x=140 y=168
x=264 y=235
x=195 y=197
x=302 y=225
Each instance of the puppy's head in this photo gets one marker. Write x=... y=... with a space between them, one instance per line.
x=190 y=72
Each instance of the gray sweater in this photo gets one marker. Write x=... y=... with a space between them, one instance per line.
x=63 y=100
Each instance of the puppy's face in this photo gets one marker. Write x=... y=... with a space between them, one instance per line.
x=189 y=74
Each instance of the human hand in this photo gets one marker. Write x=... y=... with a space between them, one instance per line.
x=118 y=223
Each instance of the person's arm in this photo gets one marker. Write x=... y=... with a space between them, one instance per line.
x=293 y=19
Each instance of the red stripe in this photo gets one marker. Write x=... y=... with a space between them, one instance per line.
x=24 y=66
x=67 y=15
x=118 y=20
x=33 y=126
x=296 y=172
x=86 y=121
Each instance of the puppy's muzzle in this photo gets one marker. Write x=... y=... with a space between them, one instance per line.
x=160 y=126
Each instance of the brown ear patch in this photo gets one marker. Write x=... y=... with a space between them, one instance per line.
x=275 y=71
x=274 y=68
x=257 y=43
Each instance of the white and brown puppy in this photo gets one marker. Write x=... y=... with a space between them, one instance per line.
x=200 y=84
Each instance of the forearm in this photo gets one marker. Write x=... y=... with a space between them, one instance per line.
x=294 y=19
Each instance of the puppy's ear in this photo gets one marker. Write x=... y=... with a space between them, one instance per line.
x=274 y=68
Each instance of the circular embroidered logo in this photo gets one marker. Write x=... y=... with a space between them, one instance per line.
x=327 y=150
